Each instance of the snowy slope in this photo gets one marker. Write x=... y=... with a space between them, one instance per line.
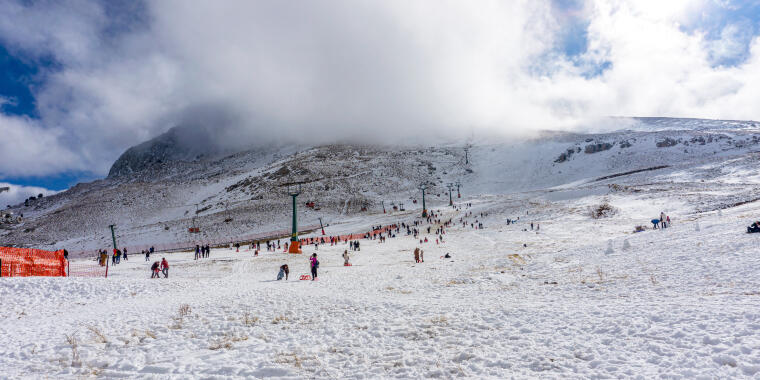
x=557 y=304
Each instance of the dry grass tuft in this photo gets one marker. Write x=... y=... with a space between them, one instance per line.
x=441 y=320
x=249 y=320
x=290 y=358
x=603 y=210
x=100 y=337
x=279 y=319
x=74 y=343
x=601 y=274
x=226 y=342
x=184 y=310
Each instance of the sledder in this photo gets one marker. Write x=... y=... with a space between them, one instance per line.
x=754 y=228
x=346 y=259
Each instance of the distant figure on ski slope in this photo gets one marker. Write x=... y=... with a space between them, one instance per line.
x=531 y=226
x=346 y=258
x=314 y=265
x=125 y=253
x=284 y=271
x=655 y=222
x=154 y=270
x=237 y=247
x=417 y=255
x=422 y=256
x=151 y=249
x=147 y=255
x=197 y=252
x=165 y=267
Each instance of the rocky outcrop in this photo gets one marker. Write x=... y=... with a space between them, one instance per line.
x=177 y=144
x=598 y=147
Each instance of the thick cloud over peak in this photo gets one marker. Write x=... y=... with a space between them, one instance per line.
x=116 y=74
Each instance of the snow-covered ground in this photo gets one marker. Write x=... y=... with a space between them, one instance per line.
x=683 y=302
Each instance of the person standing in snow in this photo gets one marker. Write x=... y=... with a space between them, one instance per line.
x=165 y=267
x=314 y=265
x=422 y=256
x=417 y=255
x=197 y=251
x=346 y=257
x=147 y=255
x=125 y=254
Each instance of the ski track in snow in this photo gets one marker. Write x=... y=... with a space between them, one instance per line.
x=679 y=303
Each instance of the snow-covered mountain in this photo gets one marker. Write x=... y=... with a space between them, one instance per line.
x=156 y=190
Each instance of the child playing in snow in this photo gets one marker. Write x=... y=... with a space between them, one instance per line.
x=284 y=271
x=154 y=269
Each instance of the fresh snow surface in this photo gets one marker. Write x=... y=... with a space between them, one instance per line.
x=683 y=302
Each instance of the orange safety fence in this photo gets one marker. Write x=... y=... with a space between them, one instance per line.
x=24 y=262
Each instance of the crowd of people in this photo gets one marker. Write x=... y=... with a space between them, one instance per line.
x=435 y=226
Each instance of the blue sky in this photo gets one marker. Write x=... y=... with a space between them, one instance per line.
x=86 y=80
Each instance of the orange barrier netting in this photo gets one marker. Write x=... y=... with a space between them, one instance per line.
x=24 y=262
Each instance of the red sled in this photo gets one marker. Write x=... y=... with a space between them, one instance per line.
x=347 y=264
x=305 y=277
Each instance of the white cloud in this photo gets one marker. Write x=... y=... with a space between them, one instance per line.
x=379 y=70
x=17 y=194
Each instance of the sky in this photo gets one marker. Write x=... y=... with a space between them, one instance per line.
x=82 y=80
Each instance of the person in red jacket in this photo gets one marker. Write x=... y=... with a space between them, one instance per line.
x=165 y=267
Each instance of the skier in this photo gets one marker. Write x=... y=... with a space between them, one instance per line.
x=284 y=271
x=147 y=255
x=346 y=258
x=125 y=253
x=417 y=255
x=165 y=267
x=197 y=251
x=314 y=265
x=154 y=270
